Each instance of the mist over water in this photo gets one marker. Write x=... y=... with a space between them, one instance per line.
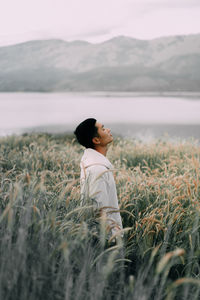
x=129 y=116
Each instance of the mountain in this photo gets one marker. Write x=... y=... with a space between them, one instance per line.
x=119 y=64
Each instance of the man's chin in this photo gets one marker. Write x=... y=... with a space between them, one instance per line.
x=111 y=139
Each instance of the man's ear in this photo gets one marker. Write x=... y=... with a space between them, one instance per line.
x=96 y=140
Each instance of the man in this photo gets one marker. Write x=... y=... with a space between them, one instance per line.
x=97 y=181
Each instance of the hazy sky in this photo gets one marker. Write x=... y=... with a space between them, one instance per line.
x=96 y=20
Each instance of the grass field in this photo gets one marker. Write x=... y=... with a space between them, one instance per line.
x=53 y=248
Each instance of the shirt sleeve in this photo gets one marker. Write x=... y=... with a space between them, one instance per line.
x=99 y=192
x=98 y=188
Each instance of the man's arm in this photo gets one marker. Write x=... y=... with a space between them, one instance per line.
x=98 y=187
x=99 y=191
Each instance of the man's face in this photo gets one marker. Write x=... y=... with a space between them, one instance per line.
x=105 y=137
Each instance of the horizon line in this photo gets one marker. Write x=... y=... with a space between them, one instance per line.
x=95 y=43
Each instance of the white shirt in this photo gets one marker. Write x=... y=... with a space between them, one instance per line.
x=97 y=183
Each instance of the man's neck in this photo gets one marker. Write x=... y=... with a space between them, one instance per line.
x=102 y=150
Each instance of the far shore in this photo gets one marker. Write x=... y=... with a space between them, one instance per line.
x=143 y=132
x=182 y=94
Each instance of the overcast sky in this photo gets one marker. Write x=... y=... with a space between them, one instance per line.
x=96 y=20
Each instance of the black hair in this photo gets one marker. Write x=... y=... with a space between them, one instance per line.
x=85 y=132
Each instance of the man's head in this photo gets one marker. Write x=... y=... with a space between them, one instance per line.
x=92 y=134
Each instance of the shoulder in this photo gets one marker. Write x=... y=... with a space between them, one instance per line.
x=97 y=168
x=99 y=171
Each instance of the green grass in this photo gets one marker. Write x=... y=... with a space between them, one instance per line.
x=52 y=248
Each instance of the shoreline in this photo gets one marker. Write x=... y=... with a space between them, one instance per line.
x=119 y=94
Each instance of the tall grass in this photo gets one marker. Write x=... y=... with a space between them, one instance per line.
x=53 y=248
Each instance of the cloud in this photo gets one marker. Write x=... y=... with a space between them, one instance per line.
x=168 y=3
x=153 y=18
x=92 y=36
x=97 y=33
x=140 y=7
x=95 y=20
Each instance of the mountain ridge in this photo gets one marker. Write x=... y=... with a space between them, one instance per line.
x=165 y=64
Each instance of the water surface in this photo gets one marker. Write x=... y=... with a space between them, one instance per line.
x=126 y=114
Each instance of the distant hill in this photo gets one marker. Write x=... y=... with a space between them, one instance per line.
x=119 y=64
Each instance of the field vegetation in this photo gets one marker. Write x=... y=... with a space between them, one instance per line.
x=53 y=248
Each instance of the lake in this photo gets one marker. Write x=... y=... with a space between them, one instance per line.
x=128 y=114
